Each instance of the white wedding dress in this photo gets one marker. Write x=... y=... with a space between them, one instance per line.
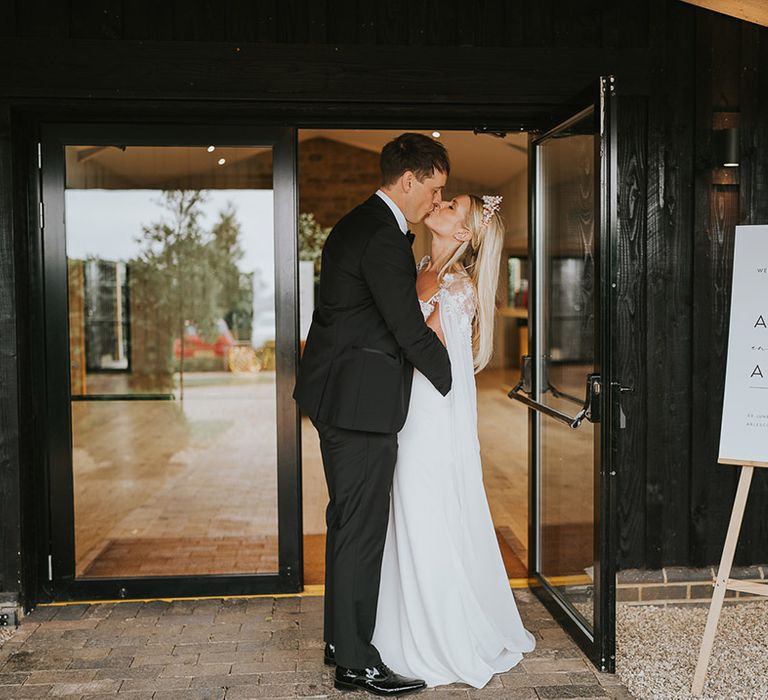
x=446 y=612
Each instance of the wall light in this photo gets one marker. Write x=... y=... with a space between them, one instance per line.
x=436 y=134
x=725 y=143
x=222 y=161
x=211 y=149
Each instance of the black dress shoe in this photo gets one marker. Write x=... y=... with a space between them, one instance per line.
x=379 y=680
x=330 y=655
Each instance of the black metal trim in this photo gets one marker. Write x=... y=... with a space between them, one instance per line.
x=605 y=504
x=599 y=645
x=56 y=436
x=122 y=397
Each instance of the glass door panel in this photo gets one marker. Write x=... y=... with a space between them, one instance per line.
x=172 y=331
x=177 y=374
x=566 y=187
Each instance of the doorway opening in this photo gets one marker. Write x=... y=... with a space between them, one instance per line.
x=337 y=170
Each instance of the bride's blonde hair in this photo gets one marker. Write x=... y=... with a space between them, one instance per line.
x=479 y=257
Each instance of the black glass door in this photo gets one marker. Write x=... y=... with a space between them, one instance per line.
x=570 y=387
x=170 y=276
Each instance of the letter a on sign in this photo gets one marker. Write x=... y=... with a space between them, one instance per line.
x=760 y=322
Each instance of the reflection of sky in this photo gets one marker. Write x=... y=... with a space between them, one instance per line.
x=105 y=223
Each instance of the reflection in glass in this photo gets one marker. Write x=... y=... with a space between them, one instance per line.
x=172 y=337
x=567 y=206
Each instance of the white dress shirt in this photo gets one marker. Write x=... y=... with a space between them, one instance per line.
x=401 y=221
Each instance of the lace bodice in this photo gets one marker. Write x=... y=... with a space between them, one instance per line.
x=456 y=296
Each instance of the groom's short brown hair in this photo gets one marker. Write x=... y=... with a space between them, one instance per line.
x=415 y=152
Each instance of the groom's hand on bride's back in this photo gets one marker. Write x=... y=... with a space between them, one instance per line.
x=388 y=268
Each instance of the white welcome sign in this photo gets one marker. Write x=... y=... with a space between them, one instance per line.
x=744 y=429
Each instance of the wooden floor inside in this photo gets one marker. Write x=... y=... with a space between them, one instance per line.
x=170 y=488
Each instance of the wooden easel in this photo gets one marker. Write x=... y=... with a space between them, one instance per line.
x=723 y=583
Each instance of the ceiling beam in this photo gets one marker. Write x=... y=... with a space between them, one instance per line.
x=750 y=10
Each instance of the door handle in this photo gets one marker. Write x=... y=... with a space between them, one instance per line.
x=590 y=407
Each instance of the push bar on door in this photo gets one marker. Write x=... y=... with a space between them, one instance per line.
x=590 y=408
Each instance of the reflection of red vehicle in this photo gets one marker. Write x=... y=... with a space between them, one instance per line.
x=194 y=346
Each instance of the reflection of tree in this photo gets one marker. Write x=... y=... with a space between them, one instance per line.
x=183 y=275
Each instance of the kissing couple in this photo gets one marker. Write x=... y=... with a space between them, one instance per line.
x=416 y=593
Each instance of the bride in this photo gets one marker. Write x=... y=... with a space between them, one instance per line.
x=445 y=611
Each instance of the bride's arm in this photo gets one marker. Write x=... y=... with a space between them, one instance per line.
x=434 y=323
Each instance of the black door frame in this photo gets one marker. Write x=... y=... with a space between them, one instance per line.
x=599 y=644
x=62 y=583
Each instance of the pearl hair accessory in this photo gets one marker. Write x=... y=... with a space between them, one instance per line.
x=491 y=205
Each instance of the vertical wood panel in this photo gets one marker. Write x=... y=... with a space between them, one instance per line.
x=10 y=524
x=630 y=326
x=42 y=18
x=241 y=19
x=267 y=11
x=577 y=23
x=199 y=20
x=148 y=19
x=392 y=22
x=96 y=19
x=537 y=19
x=293 y=21
x=8 y=18
x=713 y=486
x=342 y=22
x=668 y=337
x=317 y=14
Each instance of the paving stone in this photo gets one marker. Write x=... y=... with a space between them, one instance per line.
x=546 y=665
x=113 y=662
x=225 y=680
x=125 y=673
x=505 y=694
x=89 y=688
x=448 y=693
x=13 y=678
x=571 y=691
x=195 y=670
x=198 y=694
x=264 y=666
x=532 y=680
x=62 y=676
x=31 y=691
x=270 y=691
x=139 y=684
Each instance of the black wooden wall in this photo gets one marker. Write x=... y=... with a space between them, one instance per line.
x=552 y=23
x=679 y=214
x=401 y=64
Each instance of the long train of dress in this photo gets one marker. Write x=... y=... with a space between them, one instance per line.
x=446 y=612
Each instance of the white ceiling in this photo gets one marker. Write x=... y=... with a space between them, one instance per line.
x=484 y=159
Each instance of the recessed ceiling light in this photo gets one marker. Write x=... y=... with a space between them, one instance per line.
x=211 y=149
x=222 y=161
x=436 y=134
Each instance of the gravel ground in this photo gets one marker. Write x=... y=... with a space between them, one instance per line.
x=658 y=646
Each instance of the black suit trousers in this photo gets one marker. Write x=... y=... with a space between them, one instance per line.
x=359 y=467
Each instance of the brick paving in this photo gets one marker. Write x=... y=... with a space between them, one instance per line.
x=243 y=648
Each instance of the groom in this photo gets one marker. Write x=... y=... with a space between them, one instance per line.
x=354 y=383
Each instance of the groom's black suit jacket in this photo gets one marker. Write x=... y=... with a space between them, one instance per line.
x=367 y=329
